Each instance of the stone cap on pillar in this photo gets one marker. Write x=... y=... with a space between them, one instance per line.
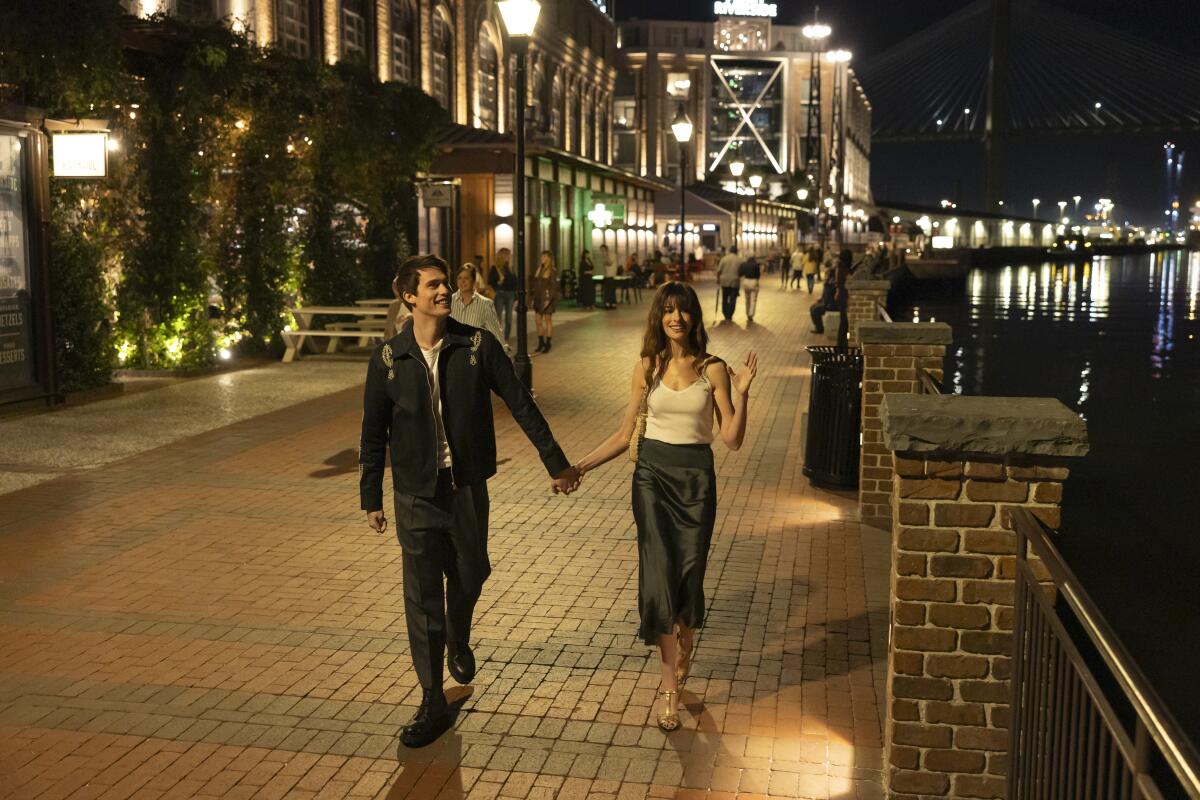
x=905 y=333
x=868 y=285
x=1002 y=426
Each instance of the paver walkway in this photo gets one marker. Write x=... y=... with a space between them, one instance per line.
x=213 y=618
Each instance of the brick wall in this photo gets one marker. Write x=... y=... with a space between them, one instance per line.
x=892 y=354
x=863 y=297
x=960 y=465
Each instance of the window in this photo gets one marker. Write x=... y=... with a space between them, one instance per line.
x=442 y=50
x=295 y=27
x=404 y=38
x=510 y=110
x=556 y=100
x=489 y=81
x=354 y=28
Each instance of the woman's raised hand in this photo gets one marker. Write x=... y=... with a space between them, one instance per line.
x=743 y=378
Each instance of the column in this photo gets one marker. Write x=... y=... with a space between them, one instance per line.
x=893 y=353
x=864 y=295
x=960 y=465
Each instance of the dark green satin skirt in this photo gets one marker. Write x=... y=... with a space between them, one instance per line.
x=674 y=506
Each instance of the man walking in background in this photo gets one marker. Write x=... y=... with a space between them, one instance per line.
x=729 y=280
x=428 y=400
x=471 y=307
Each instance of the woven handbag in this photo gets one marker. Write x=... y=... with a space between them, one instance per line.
x=639 y=428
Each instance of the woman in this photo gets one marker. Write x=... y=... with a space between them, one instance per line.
x=585 y=291
x=674 y=485
x=543 y=291
x=504 y=282
x=812 y=263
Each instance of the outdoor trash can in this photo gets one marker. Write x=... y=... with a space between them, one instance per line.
x=834 y=414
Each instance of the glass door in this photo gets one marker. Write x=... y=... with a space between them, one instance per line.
x=18 y=366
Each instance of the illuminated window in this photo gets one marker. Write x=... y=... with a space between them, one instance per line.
x=489 y=79
x=404 y=38
x=354 y=28
x=295 y=27
x=556 y=99
x=442 y=49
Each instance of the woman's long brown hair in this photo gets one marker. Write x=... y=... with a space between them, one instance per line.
x=655 y=343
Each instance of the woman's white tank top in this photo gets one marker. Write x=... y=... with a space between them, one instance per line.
x=681 y=417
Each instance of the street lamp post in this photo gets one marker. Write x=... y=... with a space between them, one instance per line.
x=1077 y=198
x=801 y=195
x=736 y=168
x=1036 y=203
x=520 y=17
x=1062 y=208
x=755 y=182
x=681 y=126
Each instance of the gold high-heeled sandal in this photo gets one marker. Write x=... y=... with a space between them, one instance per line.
x=683 y=663
x=668 y=720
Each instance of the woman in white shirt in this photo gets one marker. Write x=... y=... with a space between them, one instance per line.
x=684 y=391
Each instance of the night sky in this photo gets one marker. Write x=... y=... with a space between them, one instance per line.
x=1129 y=169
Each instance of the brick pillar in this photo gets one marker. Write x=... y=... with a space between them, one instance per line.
x=892 y=354
x=960 y=465
x=863 y=297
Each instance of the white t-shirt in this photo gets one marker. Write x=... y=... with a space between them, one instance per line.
x=431 y=361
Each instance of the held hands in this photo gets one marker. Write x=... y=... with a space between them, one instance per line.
x=567 y=481
x=742 y=379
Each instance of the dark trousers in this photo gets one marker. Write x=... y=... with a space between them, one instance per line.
x=843 y=339
x=811 y=279
x=817 y=312
x=444 y=536
x=729 y=296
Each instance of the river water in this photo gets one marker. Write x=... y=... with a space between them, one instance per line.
x=1118 y=341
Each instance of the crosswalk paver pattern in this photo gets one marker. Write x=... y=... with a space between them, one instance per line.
x=213 y=618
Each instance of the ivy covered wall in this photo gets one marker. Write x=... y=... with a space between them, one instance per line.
x=241 y=180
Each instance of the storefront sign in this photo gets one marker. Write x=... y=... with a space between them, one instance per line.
x=79 y=155
x=437 y=195
x=743 y=8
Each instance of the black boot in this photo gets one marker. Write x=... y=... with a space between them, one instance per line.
x=431 y=721
x=541 y=344
x=461 y=662
x=547 y=348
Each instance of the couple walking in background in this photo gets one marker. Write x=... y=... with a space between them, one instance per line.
x=427 y=398
x=734 y=276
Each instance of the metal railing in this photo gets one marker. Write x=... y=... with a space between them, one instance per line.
x=1085 y=721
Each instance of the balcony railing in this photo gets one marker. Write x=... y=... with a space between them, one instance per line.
x=1085 y=721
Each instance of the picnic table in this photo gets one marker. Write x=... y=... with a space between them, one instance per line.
x=366 y=322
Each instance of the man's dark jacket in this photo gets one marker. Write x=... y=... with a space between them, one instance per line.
x=398 y=411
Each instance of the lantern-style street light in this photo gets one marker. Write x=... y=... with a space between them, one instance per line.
x=520 y=17
x=681 y=126
x=736 y=168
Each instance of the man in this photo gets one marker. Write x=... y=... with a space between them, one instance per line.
x=728 y=280
x=428 y=398
x=471 y=308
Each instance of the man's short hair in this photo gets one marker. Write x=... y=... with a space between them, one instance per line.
x=408 y=277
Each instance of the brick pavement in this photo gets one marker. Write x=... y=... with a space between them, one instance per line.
x=213 y=618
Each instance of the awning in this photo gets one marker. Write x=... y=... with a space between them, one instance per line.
x=666 y=207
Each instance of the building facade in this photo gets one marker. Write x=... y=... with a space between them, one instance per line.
x=745 y=84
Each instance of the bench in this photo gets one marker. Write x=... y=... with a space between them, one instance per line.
x=367 y=322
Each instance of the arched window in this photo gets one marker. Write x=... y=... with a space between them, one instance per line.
x=556 y=107
x=582 y=130
x=510 y=108
x=404 y=41
x=537 y=97
x=442 y=49
x=488 y=82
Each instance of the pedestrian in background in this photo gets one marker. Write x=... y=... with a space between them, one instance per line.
x=827 y=302
x=585 y=291
x=609 y=287
x=677 y=392
x=812 y=265
x=728 y=281
x=750 y=272
x=842 y=296
x=482 y=286
x=504 y=282
x=471 y=307
x=543 y=291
